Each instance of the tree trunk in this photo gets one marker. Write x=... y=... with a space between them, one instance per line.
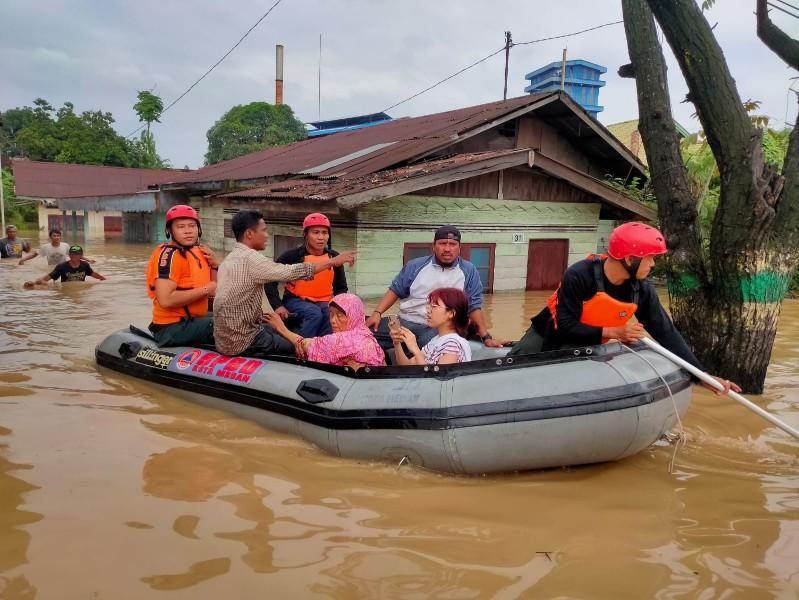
x=677 y=207
x=727 y=310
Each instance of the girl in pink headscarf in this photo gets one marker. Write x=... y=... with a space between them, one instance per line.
x=351 y=344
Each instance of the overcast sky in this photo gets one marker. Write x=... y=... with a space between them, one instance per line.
x=374 y=54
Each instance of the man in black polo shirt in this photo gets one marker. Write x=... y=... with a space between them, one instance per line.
x=74 y=269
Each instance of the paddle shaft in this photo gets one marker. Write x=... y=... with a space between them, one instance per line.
x=653 y=345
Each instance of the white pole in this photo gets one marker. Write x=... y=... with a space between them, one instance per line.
x=715 y=384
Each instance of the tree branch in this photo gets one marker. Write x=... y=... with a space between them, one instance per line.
x=779 y=42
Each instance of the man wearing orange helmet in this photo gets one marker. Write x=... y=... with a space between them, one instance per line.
x=309 y=299
x=599 y=295
x=181 y=278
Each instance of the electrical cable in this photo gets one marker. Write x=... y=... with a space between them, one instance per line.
x=214 y=66
x=485 y=58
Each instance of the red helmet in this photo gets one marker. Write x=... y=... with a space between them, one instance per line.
x=315 y=220
x=635 y=239
x=181 y=211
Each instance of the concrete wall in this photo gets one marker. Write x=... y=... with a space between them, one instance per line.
x=385 y=226
x=380 y=230
x=93 y=221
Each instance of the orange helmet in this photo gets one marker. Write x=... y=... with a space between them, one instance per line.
x=636 y=240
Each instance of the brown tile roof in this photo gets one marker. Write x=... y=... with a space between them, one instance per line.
x=35 y=179
x=363 y=151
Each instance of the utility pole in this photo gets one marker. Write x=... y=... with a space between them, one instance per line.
x=508 y=44
x=563 y=71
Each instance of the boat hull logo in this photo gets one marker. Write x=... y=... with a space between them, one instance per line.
x=157 y=359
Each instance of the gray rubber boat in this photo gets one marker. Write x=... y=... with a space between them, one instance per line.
x=493 y=414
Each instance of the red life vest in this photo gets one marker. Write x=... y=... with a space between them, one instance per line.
x=601 y=310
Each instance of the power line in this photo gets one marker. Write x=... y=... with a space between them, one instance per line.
x=788 y=4
x=427 y=89
x=565 y=35
x=485 y=58
x=787 y=12
x=214 y=66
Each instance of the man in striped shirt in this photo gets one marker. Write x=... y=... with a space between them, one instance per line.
x=238 y=313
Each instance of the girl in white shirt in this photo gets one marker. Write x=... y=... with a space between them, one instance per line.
x=448 y=313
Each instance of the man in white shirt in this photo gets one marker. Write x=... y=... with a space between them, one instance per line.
x=55 y=252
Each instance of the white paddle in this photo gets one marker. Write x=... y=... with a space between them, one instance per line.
x=653 y=345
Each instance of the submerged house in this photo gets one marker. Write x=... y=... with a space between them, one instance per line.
x=522 y=179
x=92 y=201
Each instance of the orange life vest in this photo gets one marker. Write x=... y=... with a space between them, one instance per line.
x=318 y=289
x=601 y=310
x=189 y=269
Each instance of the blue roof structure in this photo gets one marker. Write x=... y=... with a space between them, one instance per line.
x=346 y=124
x=582 y=82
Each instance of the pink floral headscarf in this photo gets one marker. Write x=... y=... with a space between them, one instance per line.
x=357 y=343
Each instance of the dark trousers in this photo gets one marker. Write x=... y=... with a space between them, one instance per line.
x=314 y=316
x=423 y=333
x=531 y=343
x=268 y=341
x=199 y=330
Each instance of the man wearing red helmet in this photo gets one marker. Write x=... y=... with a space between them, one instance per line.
x=181 y=278
x=599 y=295
x=309 y=299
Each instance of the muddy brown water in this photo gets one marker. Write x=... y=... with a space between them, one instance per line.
x=111 y=490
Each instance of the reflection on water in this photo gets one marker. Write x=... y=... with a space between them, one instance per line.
x=111 y=489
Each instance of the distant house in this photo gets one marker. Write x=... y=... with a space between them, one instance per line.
x=321 y=128
x=522 y=178
x=627 y=133
x=93 y=201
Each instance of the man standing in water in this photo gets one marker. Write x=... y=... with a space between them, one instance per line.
x=309 y=299
x=55 y=252
x=74 y=269
x=12 y=246
x=238 y=315
x=181 y=278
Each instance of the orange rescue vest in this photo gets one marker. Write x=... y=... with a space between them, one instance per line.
x=189 y=269
x=318 y=289
x=601 y=310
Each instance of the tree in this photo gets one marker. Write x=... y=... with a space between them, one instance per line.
x=251 y=127
x=725 y=300
x=149 y=108
x=17 y=211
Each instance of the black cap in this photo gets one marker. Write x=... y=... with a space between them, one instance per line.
x=75 y=249
x=447 y=232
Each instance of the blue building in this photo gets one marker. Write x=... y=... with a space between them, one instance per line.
x=346 y=124
x=582 y=82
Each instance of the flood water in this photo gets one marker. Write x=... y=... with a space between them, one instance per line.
x=111 y=490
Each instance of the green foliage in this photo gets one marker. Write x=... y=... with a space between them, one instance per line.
x=251 y=127
x=633 y=189
x=40 y=132
x=149 y=107
x=775 y=146
x=143 y=153
x=17 y=211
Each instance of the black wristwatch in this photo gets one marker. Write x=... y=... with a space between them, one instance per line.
x=485 y=337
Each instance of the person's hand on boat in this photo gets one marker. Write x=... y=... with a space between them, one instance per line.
x=210 y=257
x=345 y=258
x=373 y=322
x=494 y=343
x=282 y=312
x=403 y=334
x=275 y=321
x=728 y=385
x=629 y=332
